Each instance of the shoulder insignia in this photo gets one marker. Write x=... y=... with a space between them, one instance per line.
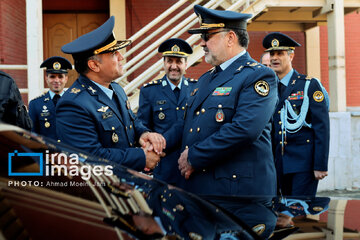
x=195 y=236
x=262 y=88
x=241 y=67
x=75 y=90
x=318 y=96
x=293 y=82
x=259 y=229
x=46 y=99
x=211 y=69
x=192 y=80
x=154 y=82
x=186 y=83
x=91 y=89
x=318 y=209
x=253 y=64
x=103 y=109
x=40 y=96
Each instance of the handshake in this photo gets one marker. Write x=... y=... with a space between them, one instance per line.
x=153 y=145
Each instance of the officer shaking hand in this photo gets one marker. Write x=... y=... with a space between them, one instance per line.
x=94 y=114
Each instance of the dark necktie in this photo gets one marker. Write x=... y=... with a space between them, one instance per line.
x=56 y=99
x=216 y=72
x=176 y=92
x=282 y=88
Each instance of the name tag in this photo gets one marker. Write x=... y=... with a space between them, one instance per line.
x=222 y=91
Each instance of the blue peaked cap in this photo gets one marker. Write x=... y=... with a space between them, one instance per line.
x=100 y=40
x=56 y=64
x=213 y=19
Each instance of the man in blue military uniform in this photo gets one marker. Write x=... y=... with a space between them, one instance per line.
x=42 y=108
x=226 y=139
x=162 y=102
x=301 y=122
x=94 y=114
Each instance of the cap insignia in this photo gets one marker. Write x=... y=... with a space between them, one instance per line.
x=275 y=43
x=56 y=65
x=175 y=48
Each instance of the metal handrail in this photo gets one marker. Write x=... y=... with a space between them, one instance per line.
x=177 y=31
x=159 y=30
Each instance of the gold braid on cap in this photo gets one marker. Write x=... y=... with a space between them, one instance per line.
x=106 y=47
x=172 y=52
x=212 y=25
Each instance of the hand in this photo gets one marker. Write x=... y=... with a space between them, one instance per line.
x=152 y=159
x=158 y=142
x=320 y=174
x=185 y=168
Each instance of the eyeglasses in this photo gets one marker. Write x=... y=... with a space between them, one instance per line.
x=206 y=36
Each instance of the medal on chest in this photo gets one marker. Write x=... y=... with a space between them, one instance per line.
x=220 y=116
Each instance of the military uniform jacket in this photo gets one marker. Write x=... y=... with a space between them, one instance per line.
x=12 y=108
x=307 y=149
x=89 y=120
x=42 y=113
x=227 y=130
x=159 y=110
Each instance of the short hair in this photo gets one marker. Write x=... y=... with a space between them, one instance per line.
x=81 y=65
x=243 y=37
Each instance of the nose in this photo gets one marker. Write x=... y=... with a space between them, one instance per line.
x=173 y=65
x=202 y=43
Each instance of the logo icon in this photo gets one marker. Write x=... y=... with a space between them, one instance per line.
x=16 y=154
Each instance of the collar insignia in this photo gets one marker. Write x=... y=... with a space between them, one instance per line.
x=92 y=90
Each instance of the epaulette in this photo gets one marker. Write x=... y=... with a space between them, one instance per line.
x=304 y=77
x=192 y=80
x=40 y=96
x=211 y=69
x=250 y=64
x=154 y=82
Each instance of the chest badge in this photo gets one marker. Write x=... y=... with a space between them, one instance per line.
x=75 y=90
x=161 y=116
x=103 y=109
x=47 y=124
x=46 y=99
x=115 y=138
x=220 y=116
x=44 y=110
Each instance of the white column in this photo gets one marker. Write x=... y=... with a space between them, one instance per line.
x=335 y=222
x=34 y=41
x=313 y=63
x=336 y=43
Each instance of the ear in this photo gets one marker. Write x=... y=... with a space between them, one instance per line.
x=93 y=65
x=292 y=55
x=232 y=38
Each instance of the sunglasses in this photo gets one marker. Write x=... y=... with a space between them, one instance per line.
x=206 y=36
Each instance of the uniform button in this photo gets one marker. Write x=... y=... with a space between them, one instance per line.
x=131 y=144
x=45 y=119
x=164 y=199
x=130 y=126
x=203 y=110
x=280 y=132
x=234 y=176
x=294 y=105
x=174 y=209
x=204 y=170
x=160 y=109
x=285 y=143
x=197 y=113
x=219 y=106
x=280 y=142
x=125 y=127
x=183 y=108
x=186 y=147
x=279 y=112
x=198 y=129
x=308 y=140
x=190 y=130
x=58 y=140
x=112 y=128
x=280 y=122
x=177 y=108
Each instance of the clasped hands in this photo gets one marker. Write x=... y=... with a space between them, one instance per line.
x=153 y=145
